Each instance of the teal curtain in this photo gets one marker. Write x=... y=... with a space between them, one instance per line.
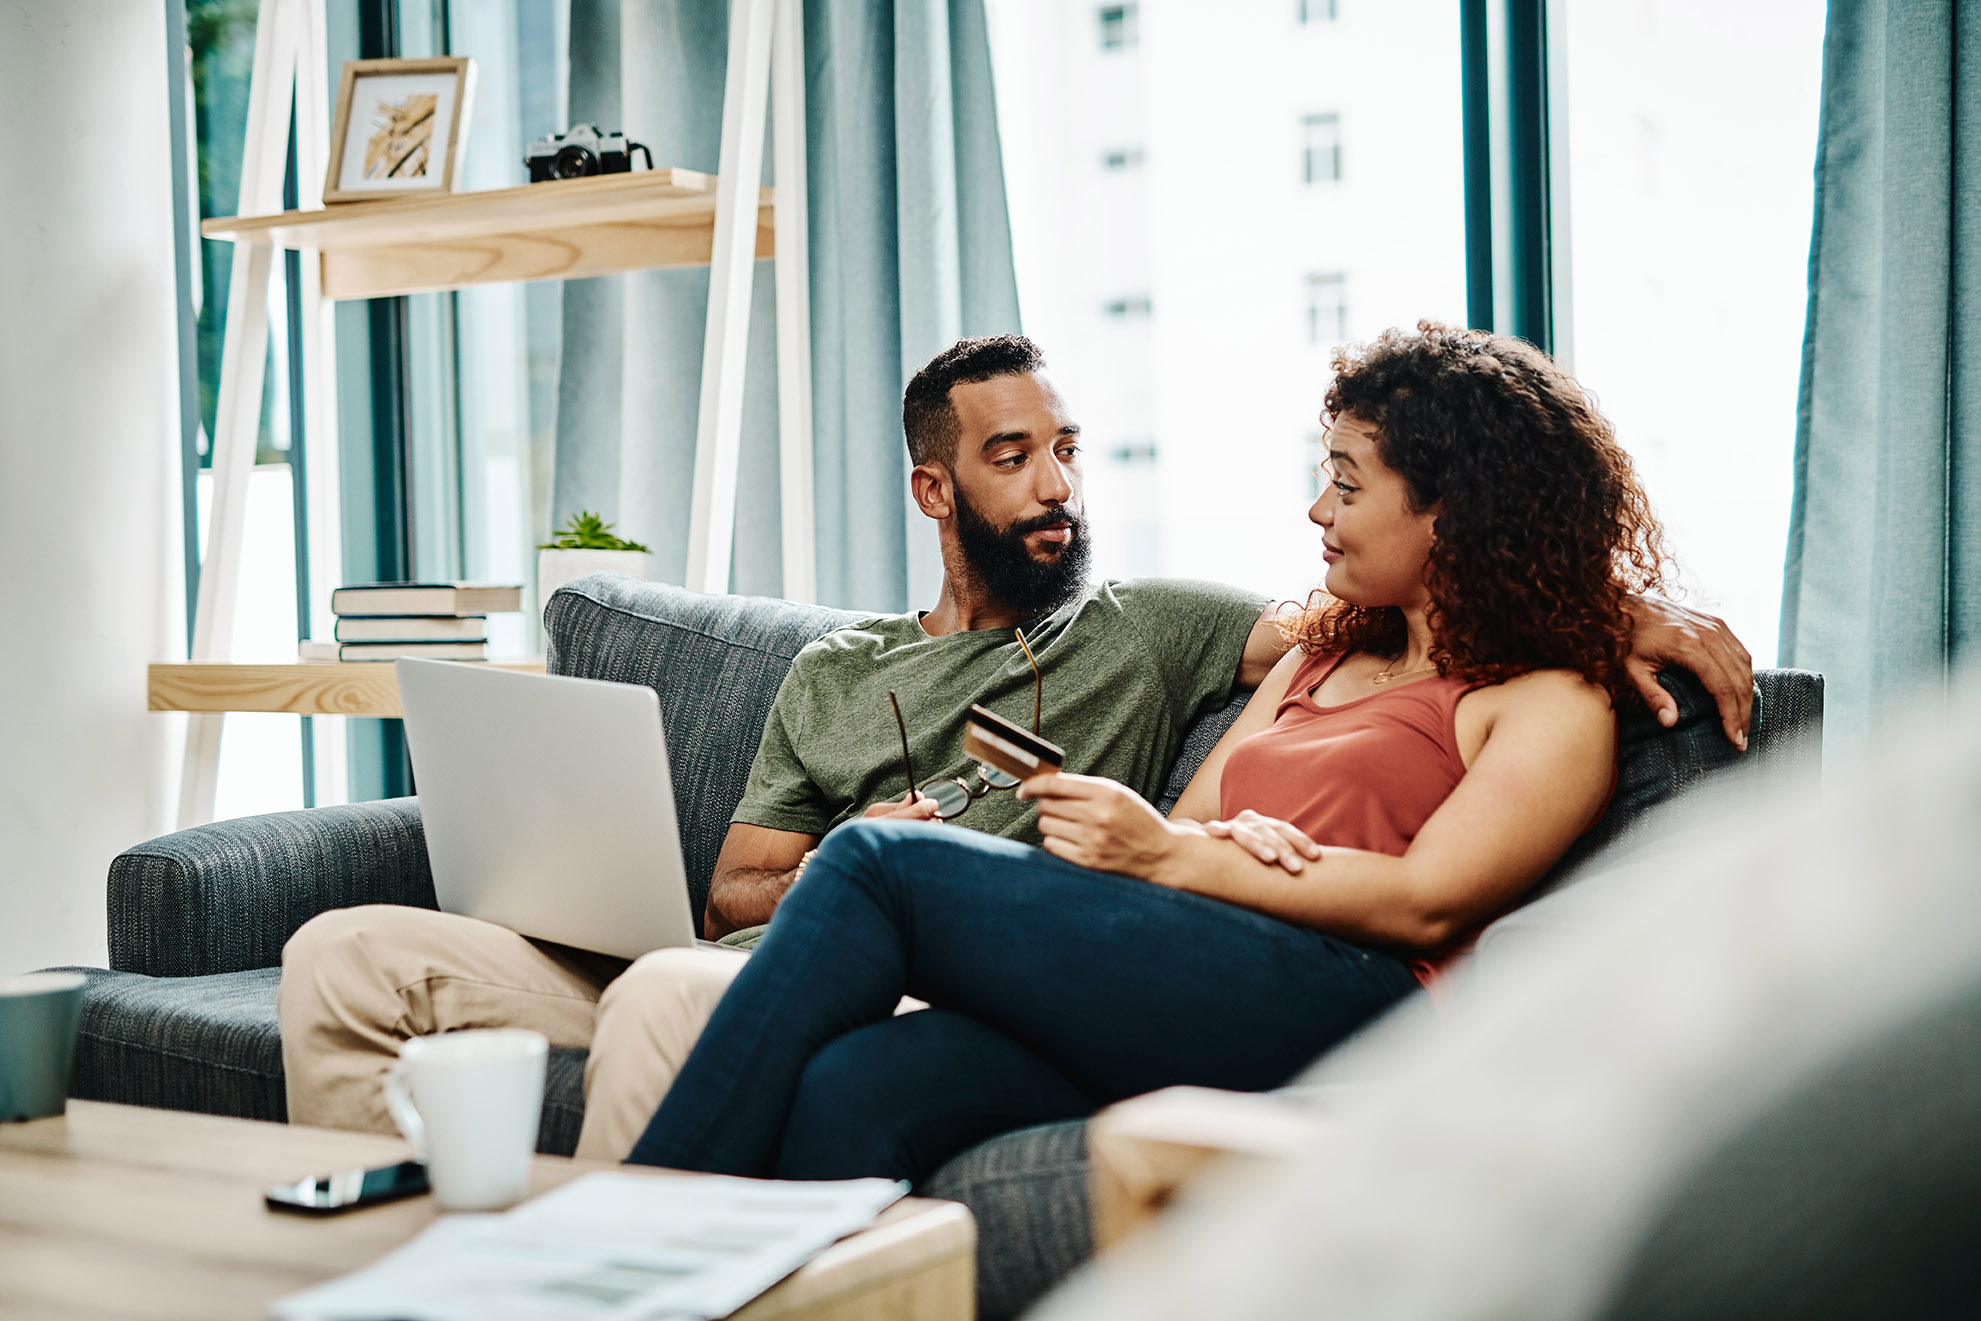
x=1883 y=584
x=585 y=475
x=910 y=249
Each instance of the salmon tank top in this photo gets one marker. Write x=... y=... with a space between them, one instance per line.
x=1366 y=774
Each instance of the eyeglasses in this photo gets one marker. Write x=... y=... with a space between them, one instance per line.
x=952 y=797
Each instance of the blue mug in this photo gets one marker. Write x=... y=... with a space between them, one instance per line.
x=39 y=1013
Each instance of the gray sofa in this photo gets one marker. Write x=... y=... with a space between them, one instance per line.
x=185 y=1016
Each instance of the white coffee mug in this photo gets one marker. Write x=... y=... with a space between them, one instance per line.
x=469 y=1102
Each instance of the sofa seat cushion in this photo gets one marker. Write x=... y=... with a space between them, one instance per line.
x=182 y=1043
x=212 y=1044
x=1028 y=1192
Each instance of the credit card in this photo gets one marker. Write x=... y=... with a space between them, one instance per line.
x=991 y=739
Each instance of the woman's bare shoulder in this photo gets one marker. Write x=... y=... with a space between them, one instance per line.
x=1542 y=708
x=1557 y=686
x=1290 y=664
x=1558 y=694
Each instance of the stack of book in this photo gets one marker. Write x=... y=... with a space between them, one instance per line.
x=435 y=621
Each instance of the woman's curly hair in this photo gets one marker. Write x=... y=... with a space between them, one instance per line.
x=1542 y=531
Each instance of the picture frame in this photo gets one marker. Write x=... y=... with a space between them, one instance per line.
x=400 y=128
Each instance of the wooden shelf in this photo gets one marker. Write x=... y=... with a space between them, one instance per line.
x=558 y=230
x=354 y=688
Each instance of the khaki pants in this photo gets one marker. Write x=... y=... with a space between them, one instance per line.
x=356 y=982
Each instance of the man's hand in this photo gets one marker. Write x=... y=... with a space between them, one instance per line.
x=1668 y=634
x=1269 y=839
x=921 y=807
x=1094 y=822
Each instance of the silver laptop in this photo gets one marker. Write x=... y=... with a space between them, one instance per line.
x=547 y=804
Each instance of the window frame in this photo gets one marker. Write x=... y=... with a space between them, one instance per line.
x=1337 y=306
x=1516 y=223
x=1329 y=146
x=1120 y=26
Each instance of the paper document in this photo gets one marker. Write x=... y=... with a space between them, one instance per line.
x=607 y=1247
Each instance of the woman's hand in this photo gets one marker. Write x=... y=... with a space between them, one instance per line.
x=1098 y=823
x=1270 y=840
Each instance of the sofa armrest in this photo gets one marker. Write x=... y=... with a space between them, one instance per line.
x=226 y=897
x=1142 y=1151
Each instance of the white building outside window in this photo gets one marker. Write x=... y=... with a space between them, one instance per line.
x=1691 y=140
x=1118 y=27
x=1318 y=11
x=1327 y=307
x=1217 y=397
x=1320 y=148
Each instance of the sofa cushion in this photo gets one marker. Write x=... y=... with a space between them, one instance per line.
x=212 y=1044
x=1028 y=1192
x=1656 y=765
x=182 y=1043
x=715 y=661
x=1658 y=775
x=1197 y=744
x=227 y=896
x=1850 y=1190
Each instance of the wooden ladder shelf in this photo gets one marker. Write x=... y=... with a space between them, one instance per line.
x=563 y=229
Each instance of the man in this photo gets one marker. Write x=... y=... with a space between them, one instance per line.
x=1126 y=667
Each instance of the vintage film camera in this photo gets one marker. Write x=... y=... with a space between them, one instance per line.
x=582 y=151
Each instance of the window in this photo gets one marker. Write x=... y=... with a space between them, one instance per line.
x=1224 y=384
x=1122 y=158
x=481 y=363
x=263 y=757
x=1318 y=11
x=1320 y=148
x=508 y=337
x=1327 y=307
x=1118 y=27
x=1317 y=458
x=1722 y=105
x=1132 y=492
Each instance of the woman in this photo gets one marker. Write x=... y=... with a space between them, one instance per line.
x=1441 y=734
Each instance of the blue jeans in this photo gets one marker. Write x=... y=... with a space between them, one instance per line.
x=1055 y=990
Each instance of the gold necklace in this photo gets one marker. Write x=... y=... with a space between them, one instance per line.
x=1384 y=676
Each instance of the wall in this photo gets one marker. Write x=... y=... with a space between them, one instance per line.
x=91 y=579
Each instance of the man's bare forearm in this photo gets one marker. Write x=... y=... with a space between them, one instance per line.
x=744 y=892
x=1263 y=648
x=744 y=897
x=752 y=873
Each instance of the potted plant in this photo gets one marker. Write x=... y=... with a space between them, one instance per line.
x=586 y=545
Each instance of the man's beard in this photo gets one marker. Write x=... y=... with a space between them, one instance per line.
x=1006 y=567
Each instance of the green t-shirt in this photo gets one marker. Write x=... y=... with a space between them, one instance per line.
x=1128 y=666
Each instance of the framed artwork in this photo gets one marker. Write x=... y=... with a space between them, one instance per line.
x=400 y=128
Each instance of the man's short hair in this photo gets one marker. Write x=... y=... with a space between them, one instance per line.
x=928 y=418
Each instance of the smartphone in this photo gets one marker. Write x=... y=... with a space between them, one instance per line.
x=347 y=1190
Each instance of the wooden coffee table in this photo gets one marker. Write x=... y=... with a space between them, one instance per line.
x=119 y=1211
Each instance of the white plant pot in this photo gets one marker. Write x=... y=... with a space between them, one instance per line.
x=557 y=567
